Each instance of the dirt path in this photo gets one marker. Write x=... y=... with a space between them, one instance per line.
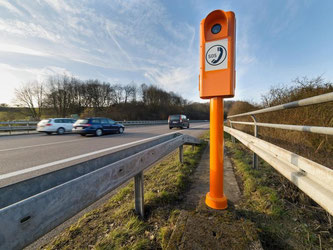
x=200 y=185
x=200 y=227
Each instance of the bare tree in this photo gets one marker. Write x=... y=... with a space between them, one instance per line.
x=31 y=95
x=60 y=96
x=118 y=93
x=130 y=92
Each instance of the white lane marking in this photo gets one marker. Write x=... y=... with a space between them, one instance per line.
x=38 y=145
x=24 y=171
x=50 y=143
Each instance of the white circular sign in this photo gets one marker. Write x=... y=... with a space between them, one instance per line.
x=216 y=55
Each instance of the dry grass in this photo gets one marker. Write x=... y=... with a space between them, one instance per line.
x=116 y=226
x=286 y=217
x=316 y=147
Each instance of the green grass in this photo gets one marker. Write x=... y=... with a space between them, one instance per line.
x=116 y=226
x=12 y=116
x=284 y=221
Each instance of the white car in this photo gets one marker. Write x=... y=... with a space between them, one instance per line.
x=55 y=125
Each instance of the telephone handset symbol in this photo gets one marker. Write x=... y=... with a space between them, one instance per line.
x=220 y=55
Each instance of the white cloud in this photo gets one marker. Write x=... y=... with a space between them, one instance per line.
x=8 y=82
x=19 y=49
x=44 y=73
x=12 y=77
x=125 y=37
x=245 y=50
x=284 y=17
x=10 y=7
x=181 y=80
x=170 y=78
x=27 y=29
x=119 y=46
x=60 y=6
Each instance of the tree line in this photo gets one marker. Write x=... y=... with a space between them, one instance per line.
x=64 y=96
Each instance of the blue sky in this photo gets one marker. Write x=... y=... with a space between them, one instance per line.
x=157 y=42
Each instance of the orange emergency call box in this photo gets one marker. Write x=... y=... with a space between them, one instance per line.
x=217 y=55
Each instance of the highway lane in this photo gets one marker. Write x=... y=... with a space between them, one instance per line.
x=26 y=156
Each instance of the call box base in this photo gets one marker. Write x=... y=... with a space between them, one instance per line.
x=216 y=203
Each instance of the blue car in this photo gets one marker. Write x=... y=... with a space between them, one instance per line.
x=97 y=126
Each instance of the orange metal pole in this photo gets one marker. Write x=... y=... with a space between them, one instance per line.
x=215 y=198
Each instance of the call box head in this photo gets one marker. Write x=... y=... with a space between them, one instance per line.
x=217 y=55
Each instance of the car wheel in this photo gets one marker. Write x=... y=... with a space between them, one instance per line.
x=99 y=132
x=120 y=130
x=170 y=127
x=83 y=134
x=60 y=131
x=188 y=125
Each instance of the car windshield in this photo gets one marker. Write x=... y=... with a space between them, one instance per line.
x=43 y=122
x=82 y=121
x=174 y=117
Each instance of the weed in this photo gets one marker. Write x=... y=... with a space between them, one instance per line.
x=282 y=224
x=115 y=226
x=316 y=147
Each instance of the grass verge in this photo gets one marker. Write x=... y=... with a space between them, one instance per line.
x=116 y=226
x=285 y=217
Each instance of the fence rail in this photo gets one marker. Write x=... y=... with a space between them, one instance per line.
x=312 y=178
x=301 y=128
x=33 y=207
x=300 y=103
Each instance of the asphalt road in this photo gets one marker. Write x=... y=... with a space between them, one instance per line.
x=27 y=156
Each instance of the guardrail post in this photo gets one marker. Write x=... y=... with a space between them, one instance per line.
x=181 y=154
x=232 y=138
x=255 y=156
x=139 y=194
x=28 y=127
x=10 y=128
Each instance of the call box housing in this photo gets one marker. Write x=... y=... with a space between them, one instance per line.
x=217 y=55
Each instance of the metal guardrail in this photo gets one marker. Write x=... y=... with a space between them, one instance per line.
x=301 y=128
x=31 y=208
x=15 y=126
x=301 y=103
x=12 y=126
x=312 y=178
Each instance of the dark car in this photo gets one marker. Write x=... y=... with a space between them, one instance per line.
x=97 y=126
x=178 y=121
